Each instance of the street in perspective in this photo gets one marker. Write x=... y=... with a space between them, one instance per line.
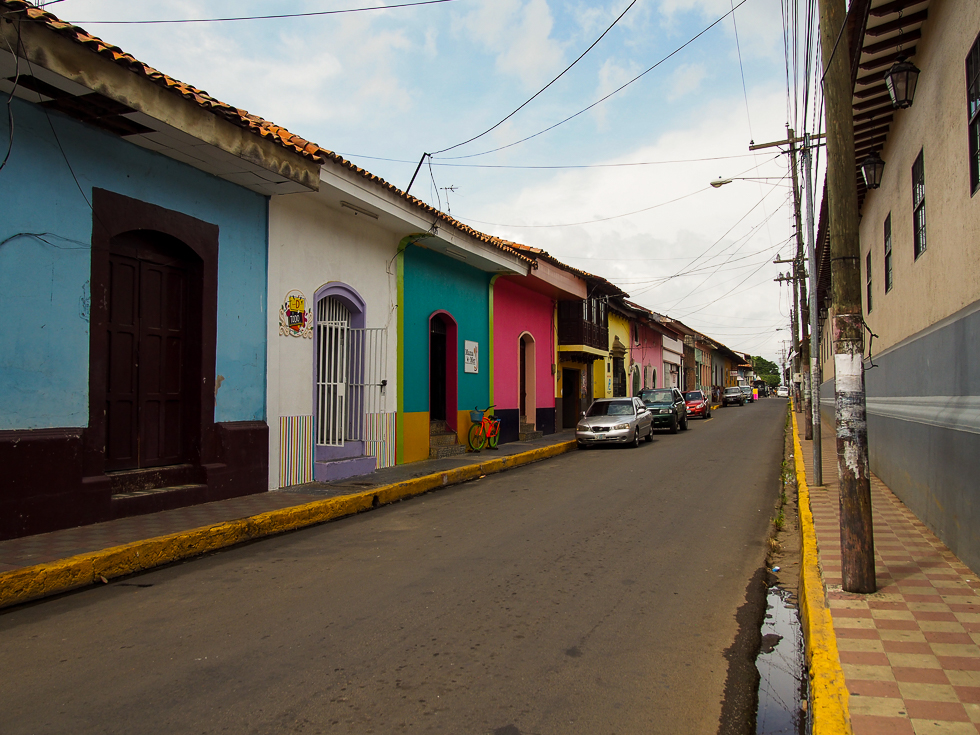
x=506 y=367
x=609 y=590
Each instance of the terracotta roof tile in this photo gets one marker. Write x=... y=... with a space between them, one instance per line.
x=14 y=9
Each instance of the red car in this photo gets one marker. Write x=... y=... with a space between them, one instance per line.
x=697 y=404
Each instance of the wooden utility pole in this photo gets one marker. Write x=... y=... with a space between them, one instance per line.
x=856 y=534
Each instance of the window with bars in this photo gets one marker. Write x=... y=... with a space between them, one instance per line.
x=973 y=113
x=867 y=270
x=888 y=253
x=919 y=206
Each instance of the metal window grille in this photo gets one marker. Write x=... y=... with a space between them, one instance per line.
x=888 y=253
x=367 y=386
x=919 y=205
x=333 y=326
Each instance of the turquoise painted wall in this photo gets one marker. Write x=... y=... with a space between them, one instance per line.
x=45 y=239
x=435 y=282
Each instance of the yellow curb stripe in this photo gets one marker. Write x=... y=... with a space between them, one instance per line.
x=828 y=692
x=42 y=580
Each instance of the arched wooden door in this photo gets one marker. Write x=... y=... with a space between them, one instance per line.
x=153 y=351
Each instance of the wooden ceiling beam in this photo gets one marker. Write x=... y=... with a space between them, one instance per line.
x=889 y=43
x=894 y=7
x=898 y=24
x=886 y=61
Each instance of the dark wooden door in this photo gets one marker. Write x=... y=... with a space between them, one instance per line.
x=147 y=387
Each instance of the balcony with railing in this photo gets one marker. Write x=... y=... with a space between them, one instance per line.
x=583 y=323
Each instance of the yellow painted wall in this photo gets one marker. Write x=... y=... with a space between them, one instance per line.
x=619 y=326
x=416 y=436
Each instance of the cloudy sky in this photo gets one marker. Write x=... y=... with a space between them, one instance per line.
x=383 y=87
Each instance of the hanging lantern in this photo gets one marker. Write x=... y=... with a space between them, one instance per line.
x=901 y=80
x=872 y=167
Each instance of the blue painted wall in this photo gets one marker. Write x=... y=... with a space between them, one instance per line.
x=45 y=238
x=434 y=282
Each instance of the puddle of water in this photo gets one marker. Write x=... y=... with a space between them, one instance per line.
x=782 y=669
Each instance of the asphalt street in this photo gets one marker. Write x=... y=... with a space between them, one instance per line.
x=614 y=590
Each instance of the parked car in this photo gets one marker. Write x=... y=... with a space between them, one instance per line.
x=782 y=392
x=614 y=421
x=667 y=407
x=697 y=404
x=749 y=395
x=732 y=396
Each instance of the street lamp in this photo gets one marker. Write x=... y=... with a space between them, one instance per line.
x=720 y=182
x=901 y=80
x=872 y=168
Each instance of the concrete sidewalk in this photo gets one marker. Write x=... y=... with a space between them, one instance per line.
x=50 y=563
x=905 y=659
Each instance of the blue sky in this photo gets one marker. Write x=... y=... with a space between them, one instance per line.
x=396 y=83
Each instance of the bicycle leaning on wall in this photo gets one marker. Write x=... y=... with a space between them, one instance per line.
x=485 y=430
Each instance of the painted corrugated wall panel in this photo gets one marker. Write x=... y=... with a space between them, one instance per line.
x=295 y=450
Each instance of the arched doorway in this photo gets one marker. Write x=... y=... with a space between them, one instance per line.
x=153 y=351
x=443 y=350
x=528 y=388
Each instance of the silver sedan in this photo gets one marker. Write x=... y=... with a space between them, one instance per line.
x=614 y=421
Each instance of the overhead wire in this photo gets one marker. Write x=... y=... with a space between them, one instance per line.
x=555 y=166
x=606 y=97
x=277 y=16
x=540 y=91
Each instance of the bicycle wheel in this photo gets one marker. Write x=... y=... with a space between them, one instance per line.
x=476 y=438
x=494 y=437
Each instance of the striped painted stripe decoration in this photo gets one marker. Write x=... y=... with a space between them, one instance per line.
x=379 y=438
x=295 y=450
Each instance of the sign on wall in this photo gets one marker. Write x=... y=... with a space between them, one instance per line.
x=295 y=320
x=471 y=352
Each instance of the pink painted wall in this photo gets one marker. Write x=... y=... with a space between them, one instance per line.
x=649 y=352
x=517 y=310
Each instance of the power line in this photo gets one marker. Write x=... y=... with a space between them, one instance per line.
x=529 y=100
x=260 y=17
x=552 y=167
x=615 y=91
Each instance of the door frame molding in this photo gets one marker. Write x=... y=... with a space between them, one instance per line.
x=114 y=214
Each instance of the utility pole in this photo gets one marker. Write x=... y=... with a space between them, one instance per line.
x=856 y=533
x=800 y=270
x=794 y=318
x=815 y=367
x=799 y=274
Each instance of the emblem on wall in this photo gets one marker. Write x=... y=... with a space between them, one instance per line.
x=295 y=320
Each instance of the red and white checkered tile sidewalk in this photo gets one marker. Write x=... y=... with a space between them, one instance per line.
x=910 y=652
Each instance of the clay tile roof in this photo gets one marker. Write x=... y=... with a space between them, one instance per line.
x=14 y=9
x=19 y=9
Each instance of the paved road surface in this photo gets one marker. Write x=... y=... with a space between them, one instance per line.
x=606 y=591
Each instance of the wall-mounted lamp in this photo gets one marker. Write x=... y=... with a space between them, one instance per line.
x=901 y=80
x=872 y=168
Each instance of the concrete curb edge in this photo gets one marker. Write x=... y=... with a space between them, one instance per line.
x=828 y=692
x=42 y=580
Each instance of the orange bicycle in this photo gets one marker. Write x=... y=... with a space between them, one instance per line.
x=484 y=431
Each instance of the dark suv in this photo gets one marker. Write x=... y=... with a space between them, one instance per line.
x=667 y=407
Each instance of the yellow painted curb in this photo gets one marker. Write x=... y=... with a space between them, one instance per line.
x=828 y=692
x=42 y=580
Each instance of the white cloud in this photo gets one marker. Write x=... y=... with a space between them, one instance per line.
x=519 y=34
x=687 y=78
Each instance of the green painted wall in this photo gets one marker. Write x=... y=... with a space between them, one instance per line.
x=434 y=282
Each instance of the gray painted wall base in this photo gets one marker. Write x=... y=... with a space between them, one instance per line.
x=923 y=399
